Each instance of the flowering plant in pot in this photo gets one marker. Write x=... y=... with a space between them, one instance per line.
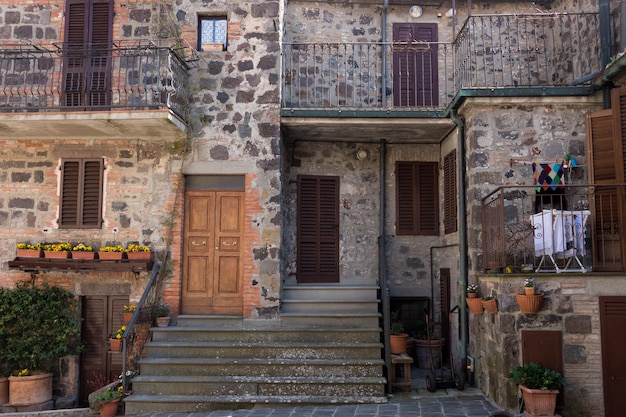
x=82 y=251
x=128 y=312
x=56 y=250
x=28 y=250
x=472 y=291
x=161 y=315
x=136 y=251
x=540 y=386
x=398 y=338
x=109 y=252
x=107 y=400
x=529 y=286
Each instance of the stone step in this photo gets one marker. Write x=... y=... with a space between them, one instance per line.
x=150 y=404
x=336 y=306
x=272 y=367
x=258 y=385
x=312 y=320
x=271 y=335
x=175 y=349
x=330 y=292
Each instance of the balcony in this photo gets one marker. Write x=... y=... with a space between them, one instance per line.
x=524 y=54
x=63 y=91
x=572 y=228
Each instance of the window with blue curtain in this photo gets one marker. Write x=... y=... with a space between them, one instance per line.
x=213 y=30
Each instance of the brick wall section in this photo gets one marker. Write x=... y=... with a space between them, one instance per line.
x=251 y=284
x=570 y=306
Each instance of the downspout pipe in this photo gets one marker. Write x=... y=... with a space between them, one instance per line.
x=461 y=178
x=382 y=263
x=604 y=13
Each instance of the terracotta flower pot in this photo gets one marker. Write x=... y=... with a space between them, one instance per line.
x=109 y=409
x=116 y=344
x=529 y=290
x=4 y=390
x=539 y=402
x=28 y=253
x=529 y=303
x=165 y=321
x=475 y=305
x=472 y=295
x=55 y=255
x=490 y=305
x=30 y=390
x=397 y=343
x=139 y=255
x=83 y=255
x=127 y=315
x=109 y=256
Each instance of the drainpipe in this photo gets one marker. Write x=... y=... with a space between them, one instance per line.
x=382 y=262
x=604 y=13
x=462 y=231
x=384 y=50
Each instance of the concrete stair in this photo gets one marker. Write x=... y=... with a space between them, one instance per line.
x=207 y=363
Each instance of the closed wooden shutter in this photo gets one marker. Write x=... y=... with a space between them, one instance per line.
x=87 y=55
x=449 y=193
x=81 y=193
x=417 y=205
x=415 y=67
x=318 y=229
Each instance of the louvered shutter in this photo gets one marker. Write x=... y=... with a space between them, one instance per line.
x=100 y=38
x=417 y=211
x=318 y=229
x=449 y=193
x=81 y=194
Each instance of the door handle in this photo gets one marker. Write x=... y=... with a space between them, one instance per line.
x=229 y=244
x=194 y=243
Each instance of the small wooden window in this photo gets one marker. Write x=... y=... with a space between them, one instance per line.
x=81 y=194
x=449 y=193
x=417 y=205
x=212 y=33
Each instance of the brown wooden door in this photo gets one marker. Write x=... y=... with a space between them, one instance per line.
x=213 y=243
x=415 y=79
x=612 y=324
x=544 y=347
x=102 y=315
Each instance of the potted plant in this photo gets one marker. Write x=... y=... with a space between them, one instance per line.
x=398 y=339
x=107 y=400
x=40 y=325
x=427 y=344
x=473 y=301
x=82 y=251
x=161 y=315
x=489 y=303
x=472 y=291
x=135 y=251
x=530 y=300
x=539 y=386
x=111 y=252
x=56 y=250
x=128 y=312
x=28 y=250
x=115 y=341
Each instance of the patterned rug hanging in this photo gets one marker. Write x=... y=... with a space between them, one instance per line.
x=548 y=176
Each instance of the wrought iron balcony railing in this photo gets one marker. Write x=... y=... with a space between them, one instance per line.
x=35 y=79
x=491 y=51
x=572 y=228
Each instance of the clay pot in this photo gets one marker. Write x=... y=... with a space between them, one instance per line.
x=529 y=303
x=398 y=343
x=109 y=409
x=475 y=305
x=30 y=390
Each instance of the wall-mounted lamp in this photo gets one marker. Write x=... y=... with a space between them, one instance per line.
x=415 y=11
x=361 y=154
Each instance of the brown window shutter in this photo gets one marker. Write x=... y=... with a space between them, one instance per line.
x=81 y=194
x=449 y=193
x=417 y=203
x=318 y=229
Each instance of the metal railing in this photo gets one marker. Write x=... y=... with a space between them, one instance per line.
x=60 y=77
x=571 y=228
x=491 y=51
x=137 y=332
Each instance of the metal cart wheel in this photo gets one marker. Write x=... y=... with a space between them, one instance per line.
x=431 y=382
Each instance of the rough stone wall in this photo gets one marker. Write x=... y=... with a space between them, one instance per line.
x=570 y=305
x=235 y=128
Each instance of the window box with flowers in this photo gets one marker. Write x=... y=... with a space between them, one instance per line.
x=82 y=251
x=111 y=253
x=138 y=252
x=56 y=250
x=28 y=250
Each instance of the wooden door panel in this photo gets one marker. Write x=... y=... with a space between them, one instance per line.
x=612 y=323
x=212 y=282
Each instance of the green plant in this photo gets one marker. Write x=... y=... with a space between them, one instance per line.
x=421 y=331
x=82 y=248
x=535 y=376
x=137 y=248
x=529 y=282
x=57 y=247
x=488 y=298
x=38 y=325
x=108 y=395
x=112 y=248
x=119 y=333
x=161 y=310
x=472 y=288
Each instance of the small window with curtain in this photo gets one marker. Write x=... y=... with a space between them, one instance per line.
x=212 y=33
x=81 y=193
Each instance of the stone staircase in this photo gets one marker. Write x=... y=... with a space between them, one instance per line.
x=324 y=348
